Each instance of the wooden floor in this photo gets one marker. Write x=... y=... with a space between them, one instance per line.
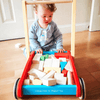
x=87 y=62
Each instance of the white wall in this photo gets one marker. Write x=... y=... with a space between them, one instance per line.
x=63 y=16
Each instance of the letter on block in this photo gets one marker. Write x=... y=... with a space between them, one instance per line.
x=49 y=75
x=49 y=82
x=26 y=81
x=38 y=73
x=48 y=69
x=37 y=82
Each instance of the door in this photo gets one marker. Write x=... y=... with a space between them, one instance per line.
x=95 y=16
x=11 y=19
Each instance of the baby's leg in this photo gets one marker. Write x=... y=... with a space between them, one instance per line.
x=24 y=51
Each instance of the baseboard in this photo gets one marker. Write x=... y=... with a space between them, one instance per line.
x=79 y=27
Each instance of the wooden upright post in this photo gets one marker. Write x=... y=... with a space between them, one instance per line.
x=26 y=27
x=73 y=28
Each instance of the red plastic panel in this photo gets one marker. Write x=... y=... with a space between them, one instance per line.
x=61 y=55
x=76 y=79
x=24 y=75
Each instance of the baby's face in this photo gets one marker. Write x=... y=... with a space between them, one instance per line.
x=44 y=15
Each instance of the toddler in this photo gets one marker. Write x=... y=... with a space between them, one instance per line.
x=44 y=34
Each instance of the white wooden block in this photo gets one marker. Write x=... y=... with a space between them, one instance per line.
x=49 y=75
x=60 y=79
x=26 y=81
x=37 y=72
x=70 y=78
x=41 y=64
x=49 y=82
x=18 y=45
x=69 y=67
x=37 y=82
x=48 y=63
x=35 y=76
x=55 y=63
x=62 y=59
x=31 y=77
x=37 y=57
x=58 y=75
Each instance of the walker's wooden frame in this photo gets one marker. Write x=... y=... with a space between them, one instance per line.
x=24 y=5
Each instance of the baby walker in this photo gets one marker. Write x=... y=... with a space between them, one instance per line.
x=74 y=86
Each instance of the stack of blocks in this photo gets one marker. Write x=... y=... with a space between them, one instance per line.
x=48 y=70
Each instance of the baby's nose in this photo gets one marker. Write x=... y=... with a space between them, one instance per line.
x=47 y=18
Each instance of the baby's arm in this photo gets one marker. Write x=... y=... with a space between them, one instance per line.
x=35 y=45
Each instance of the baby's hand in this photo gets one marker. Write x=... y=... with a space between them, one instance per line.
x=60 y=50
x=39 y=51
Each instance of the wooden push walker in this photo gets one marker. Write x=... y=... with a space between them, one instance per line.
x=77 y=89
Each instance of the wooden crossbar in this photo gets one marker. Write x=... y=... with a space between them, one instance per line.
x=47 y=2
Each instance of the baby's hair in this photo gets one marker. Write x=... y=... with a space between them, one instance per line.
x=50 y=7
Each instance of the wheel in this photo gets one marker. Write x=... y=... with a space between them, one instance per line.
x=15 y=88
x=83 y=89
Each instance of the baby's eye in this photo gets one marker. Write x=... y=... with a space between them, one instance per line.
x=50 y=16
x=44 y=16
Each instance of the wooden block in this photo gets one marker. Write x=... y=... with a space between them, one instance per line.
x=60 y=79
x=65 y=72
x=46 y=56
x=55 y=63
x=33 y=74
x=68 y=66
x=62 y=59
x=48 y=69
x=38 y=73
x=35 y=66
x=31 y=77
x=48 y=63
x=49 y=82
x=42 y=58
x=49 y=75
x=70 y=78
x=37 y=57
x=41 y=64
x=58 y=75
x=62 y=65
x=18 y=45
x=26 y=81
x=37 y=82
